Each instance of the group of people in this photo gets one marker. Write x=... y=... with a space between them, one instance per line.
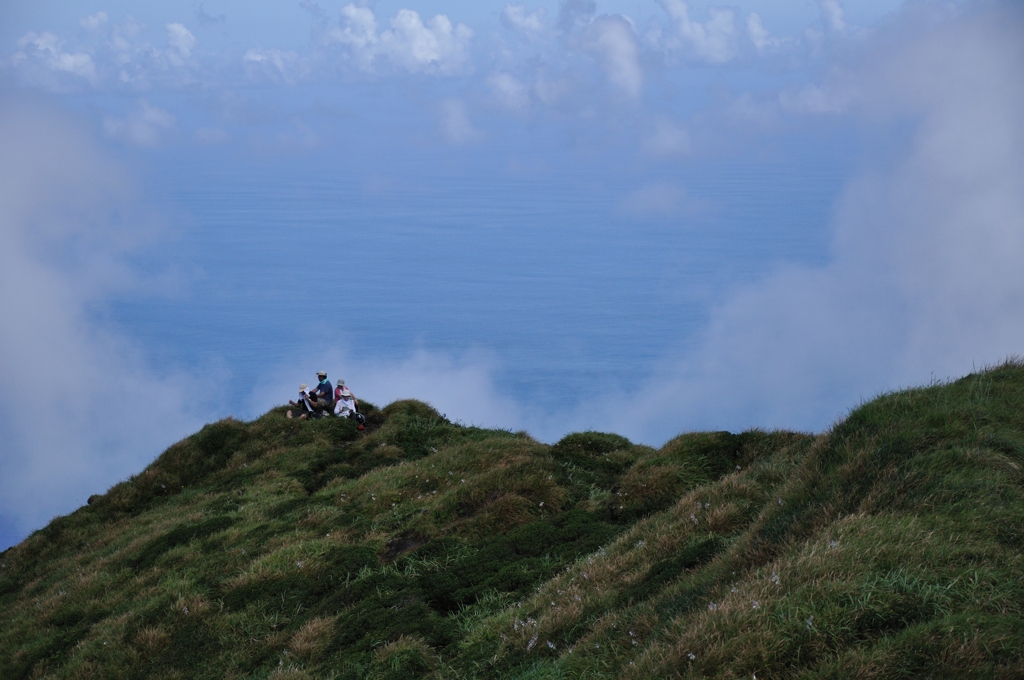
x=326 y=399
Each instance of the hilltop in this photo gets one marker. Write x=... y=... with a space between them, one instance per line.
x=889 y=546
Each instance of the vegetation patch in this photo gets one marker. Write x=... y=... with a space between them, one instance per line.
x=889 y=546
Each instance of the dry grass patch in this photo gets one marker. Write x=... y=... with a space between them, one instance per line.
x=273 y=483
x=305 y=558
x=498 y=514
x=319 y=517
x=191 y=605
x=725 y=519
x=406 y=657
x=151 y=639
x=312 y=638
x=638 y=561
x=647 y=486
x=480 y=487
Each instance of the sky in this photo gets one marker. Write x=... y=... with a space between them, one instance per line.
x=637 y=216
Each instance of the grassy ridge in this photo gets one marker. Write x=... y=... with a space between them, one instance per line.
x=890 y=546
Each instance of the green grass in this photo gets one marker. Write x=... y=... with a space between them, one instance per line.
x=888 y=547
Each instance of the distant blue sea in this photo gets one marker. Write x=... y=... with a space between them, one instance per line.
x=573 y=278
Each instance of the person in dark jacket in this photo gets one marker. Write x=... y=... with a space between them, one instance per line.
x=322 y=396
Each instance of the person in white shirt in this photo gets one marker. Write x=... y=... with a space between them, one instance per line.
x=345 y=403
x=306 y=406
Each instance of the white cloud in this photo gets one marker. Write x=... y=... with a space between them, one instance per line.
x=181 y=39
x=115 y=59
x=713 y=41
x=925 y=278
x=358 y=30
x=94 y=22
x=276 y=65
x=575 y=15
x=510 y=93
x=130 y=27
x=434 y=46
x=516 y=18
x=79 y=408
x=145 y=127
x=122 y=44
x=610 y=40
x=455 y=124
x=461 y=389
x=759 y=35
x=833 y=15
x=613 y=39
x=40 y=56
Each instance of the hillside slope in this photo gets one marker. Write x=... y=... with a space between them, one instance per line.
x=890 y=546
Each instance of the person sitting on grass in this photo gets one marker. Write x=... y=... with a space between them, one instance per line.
x=322 y=396
x=344 y=400
x=317 y=403
x=305 y=408
x=346 y=405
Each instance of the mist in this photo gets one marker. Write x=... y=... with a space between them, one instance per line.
x=80 y=407
x=924 y=281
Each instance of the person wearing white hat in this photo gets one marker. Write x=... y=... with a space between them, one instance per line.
x=344 y=400
x=345 y=404
x=307 y=407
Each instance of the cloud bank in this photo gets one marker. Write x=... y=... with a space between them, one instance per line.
x=130 y=56
x=713 y=41
x=435 y=46
x=925 y=279
x=80 y=409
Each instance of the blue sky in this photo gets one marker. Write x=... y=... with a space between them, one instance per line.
x=639 y=216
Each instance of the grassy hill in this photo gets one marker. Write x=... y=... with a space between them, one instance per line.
x=889 y=546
